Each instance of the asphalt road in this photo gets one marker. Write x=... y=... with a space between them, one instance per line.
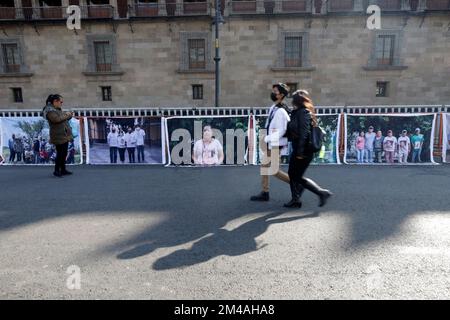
x=147 y=232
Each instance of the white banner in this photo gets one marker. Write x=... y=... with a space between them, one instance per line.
x=25 y=141
x=446 y=138
x=389 y=138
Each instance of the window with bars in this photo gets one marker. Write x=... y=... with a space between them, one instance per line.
x=197 y=91
x=340 y=5
x=103 y=56
x=11 y=58
x=106 y=93
x=293 y=86
x=17 y=95
x=293 y=52
x=197 y=56
x=389 y=4
x=382 y=89
x=385 y=47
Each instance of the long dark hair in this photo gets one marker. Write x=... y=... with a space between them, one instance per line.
x=300 y=100
x=51 y=98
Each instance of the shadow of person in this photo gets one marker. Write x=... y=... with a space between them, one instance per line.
x=236 y=242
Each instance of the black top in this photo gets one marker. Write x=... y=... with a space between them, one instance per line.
x=299 y=132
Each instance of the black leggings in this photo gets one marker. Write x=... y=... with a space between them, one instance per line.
x=61 y=155
x=298 y=182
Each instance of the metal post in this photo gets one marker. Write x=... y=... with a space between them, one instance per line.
x=217 y=20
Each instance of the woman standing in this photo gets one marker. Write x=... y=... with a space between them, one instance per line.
x=359 y=144
x=389 y=147
x=60 y=131
x=303 y=117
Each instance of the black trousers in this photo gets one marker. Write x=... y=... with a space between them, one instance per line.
x=12 y=155
x=113 y=154
x=122 y=154
x=131 y=155
x=61 y=155
x=298 y=183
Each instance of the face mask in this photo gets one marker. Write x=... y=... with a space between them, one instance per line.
x=273 y=96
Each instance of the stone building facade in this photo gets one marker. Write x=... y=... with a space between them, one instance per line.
x=133 y=54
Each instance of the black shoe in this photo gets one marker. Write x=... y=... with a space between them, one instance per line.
x=263 y=196
x=57 y=174
x=66 y=173
x=324 y=197
x=294 y=203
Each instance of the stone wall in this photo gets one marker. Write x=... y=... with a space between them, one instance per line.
x=149 y=59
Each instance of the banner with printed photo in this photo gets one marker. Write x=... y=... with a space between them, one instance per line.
x=389 y=138
x=330 y=149
x=2 y=158
x=25 y=140
x=124 y=140
x=446 y=138
x=208 y=141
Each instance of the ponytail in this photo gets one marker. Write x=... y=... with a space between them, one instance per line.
x=310 y=107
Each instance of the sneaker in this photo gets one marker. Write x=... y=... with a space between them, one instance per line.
x=66 y=173
x=57 y=174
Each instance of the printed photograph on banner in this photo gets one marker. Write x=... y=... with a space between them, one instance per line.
x=389 y=139
x=2 y=159
x=124 y=140
x=25 y=140
x=328 y=154
x=208 y=141
x=446 y=142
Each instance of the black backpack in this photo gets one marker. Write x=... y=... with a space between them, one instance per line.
x=317 y=138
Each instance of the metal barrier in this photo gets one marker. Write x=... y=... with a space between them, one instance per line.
x=231 y=111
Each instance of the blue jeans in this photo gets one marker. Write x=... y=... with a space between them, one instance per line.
x=140 y=150
x=360 y=155
x=416 y=155
x=368 y=155
x=113 y=154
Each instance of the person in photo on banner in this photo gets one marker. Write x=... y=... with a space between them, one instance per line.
x=36 y=149
x=113 y=142
x=12 y=151
x=276 y=126
x=448 y=144
x=378 y=146
x=417 y=143
x=18 y=148
x=368 y=146
x=389 y=147
x=360 y=144
x=208 y=151
x=140 y=142
x=131 y=140
x=404 y=147
x=60 y=131
x=122 y=145
x=299 y=131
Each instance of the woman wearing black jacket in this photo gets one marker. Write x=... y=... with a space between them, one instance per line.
x=299 y=133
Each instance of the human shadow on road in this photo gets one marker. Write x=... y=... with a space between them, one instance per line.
x=181 y=205
x=238 y=241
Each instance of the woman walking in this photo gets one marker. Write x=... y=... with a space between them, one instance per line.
x=60 y=131
x=303 y=117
